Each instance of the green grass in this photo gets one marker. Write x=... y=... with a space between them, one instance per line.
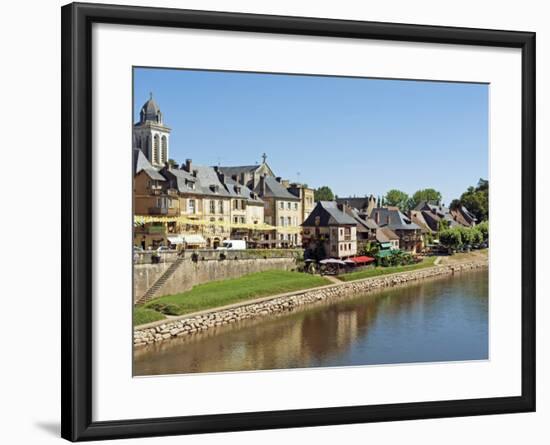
x=377 y=271
x=143 y=315
x=221 y=293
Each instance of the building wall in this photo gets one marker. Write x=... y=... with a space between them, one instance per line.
x=288 y=220
x=219 y=212
x=190 y=273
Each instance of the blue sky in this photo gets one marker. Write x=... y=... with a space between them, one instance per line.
x=358 y=136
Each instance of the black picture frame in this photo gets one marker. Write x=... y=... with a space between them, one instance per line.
x=76 y=312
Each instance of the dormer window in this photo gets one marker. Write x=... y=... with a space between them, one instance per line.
x=214 y=188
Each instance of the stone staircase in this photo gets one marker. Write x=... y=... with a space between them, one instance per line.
x=151 y=292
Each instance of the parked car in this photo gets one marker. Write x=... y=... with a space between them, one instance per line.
x=233 y=244
x=162 y=249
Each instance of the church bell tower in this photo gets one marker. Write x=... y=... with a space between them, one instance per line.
x=150 y=135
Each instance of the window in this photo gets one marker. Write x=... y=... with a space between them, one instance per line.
x=243 y=204
x=235 y=220
x=289 y=221
x=295 y=206
x=220 y=206
x=281 y=221
x=282 y=205
x=191 y=206
x=242 y=220
x=235 y=204
x=164 y=150
x=288 y=205
x=156 y=154
x=212 y=206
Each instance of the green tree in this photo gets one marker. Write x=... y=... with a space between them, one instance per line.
x=477 y=235
x=442 y=224
x=476 y=200
x=431 y=195
x=467 y=235
x=323 y=193
x=451 y=238
x=484 y=229
x=397 y=198
x=172 y=162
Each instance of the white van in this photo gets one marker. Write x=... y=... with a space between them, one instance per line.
x=233 y=244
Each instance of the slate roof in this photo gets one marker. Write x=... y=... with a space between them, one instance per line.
x=329 y=214
x=141 y=163
x=392 y=218
x=417 y=217
x=237 y=170
x=237 y=190
x=274 y=189
x=385 y=235
x=356 y=203
x=209 y=181
x=363 y=224
x=181 y=179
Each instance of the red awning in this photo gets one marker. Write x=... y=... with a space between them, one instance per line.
x=362 y=259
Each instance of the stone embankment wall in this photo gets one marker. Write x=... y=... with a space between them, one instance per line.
x=192 y=324
x=190 y=273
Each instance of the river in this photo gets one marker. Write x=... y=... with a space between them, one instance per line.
x=442 y=319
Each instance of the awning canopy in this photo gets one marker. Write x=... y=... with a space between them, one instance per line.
x=384 y=253
x=193 y=239
x=332 y=261
x=362 y=259
x=175 y=239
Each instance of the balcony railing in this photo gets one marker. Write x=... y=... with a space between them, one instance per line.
x=172 y=211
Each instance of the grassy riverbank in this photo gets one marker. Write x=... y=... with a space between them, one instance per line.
x=221 y=293
x=143 y=315
x=377 y=271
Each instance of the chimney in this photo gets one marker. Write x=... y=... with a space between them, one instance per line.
x=189 y=165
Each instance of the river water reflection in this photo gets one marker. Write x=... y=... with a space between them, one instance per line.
x=444 y=319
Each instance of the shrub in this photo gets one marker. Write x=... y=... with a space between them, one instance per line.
x=164 y=308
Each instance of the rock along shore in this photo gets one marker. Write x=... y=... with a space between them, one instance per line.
x=191 y=324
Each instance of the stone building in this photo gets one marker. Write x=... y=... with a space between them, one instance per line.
x=410 y=234
x=331 y=229
x=151 y=135
x=306 y=195
x=246 y=210
x=282 y=210
x=153 y=196
x=436 y=216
